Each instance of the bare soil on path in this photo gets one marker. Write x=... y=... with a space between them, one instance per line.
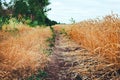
x=58 y=68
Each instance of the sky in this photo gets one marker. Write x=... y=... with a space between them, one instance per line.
x=63 y=10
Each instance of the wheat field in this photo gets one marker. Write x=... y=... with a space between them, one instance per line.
x=102 y=38
x=22 y=51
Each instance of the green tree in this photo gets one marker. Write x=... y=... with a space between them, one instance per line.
x=20 y=7
x=1 y=8
x=38 y=9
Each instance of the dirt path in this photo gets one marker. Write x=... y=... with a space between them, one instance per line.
x=71 y=62
x=60 y=64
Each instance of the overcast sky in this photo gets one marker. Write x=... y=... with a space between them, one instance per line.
x=64 y=10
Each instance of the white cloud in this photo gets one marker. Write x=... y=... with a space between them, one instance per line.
x=57 y=3
x=82 y=9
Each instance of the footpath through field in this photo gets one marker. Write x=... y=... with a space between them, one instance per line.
x=69 y=61
x=62 y=60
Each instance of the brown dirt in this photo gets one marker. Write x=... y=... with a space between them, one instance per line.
x=58 y=68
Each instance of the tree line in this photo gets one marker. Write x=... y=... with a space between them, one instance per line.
x=34 y=10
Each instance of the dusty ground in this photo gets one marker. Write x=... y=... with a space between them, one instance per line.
x=69 y=61
x=58 y=68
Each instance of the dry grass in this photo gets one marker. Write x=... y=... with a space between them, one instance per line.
x=101 y=38
x=22 y=55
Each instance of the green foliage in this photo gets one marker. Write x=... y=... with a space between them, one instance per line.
x=13 y=22
x=20 y=7
x=48 y=51
x=49 y=22
x=51 y=41
x=0 y=7
x=24 y=10
x=34 y=23
x=52 y=29
x=53 y=34
x=3 y=21
x=39 y=76
x=28 y=21
x=63 y=32
x=72 y=20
